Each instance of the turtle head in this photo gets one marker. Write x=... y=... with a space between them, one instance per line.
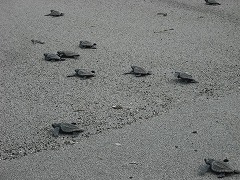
x=45 y=54
x=55 y=125
x=208 y=161
x=176 y=74
x=76 y=70
x=62 y=14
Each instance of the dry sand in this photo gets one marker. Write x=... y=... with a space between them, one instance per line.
x=159 y=113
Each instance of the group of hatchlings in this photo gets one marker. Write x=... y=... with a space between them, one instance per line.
x=221 y=168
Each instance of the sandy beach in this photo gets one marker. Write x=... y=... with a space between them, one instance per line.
x=152 y=136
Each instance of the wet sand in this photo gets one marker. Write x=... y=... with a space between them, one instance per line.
x=159 y=113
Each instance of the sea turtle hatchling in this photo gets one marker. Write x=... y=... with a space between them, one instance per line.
x=55 y=13
x=67 y=54
x=52 y=57
x=83 y=73
x=220 y=167
x=87 y=45
x=184 y=76
x=65 y=128
x=212 y=2
x=34 y=41
x=138 y=71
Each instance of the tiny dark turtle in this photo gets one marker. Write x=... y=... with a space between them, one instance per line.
x=83 y=73
x=34 y=41
x=220 y=167
x=65 y=128
x=183 y=76
x=87 y=45
x=67 y=54
x=212 y=2
x=52 y=57
x=138 y=71
x=55 y=13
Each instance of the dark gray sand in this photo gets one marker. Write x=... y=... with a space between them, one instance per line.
x=160 y=111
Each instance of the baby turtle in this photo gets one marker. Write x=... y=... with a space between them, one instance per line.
x=212 y=2
x=83 y=73
x=87 y=45
x=65 y=128
x=221 y=168
x=55 y=13
x=52 y=57
x=138 y=71
x=67 y=54
x=34 y=41
x=184 y=76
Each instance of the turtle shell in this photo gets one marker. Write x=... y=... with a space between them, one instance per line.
x=68 y=128
x=183 y=75
x=139 y=70
x=84 y=73
x=67 y=54
x=87 y=44
x=50 y=56
x=212 y=2
x=55 y=13
x=218 y=166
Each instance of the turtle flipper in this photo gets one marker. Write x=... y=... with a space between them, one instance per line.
x=221 y=175
x=236 y=171
x=131 y=72
x=56 y=131
x=194 y=81
x=73 y=75
x=75 y=134
x=138 y=75
x=204 y=169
